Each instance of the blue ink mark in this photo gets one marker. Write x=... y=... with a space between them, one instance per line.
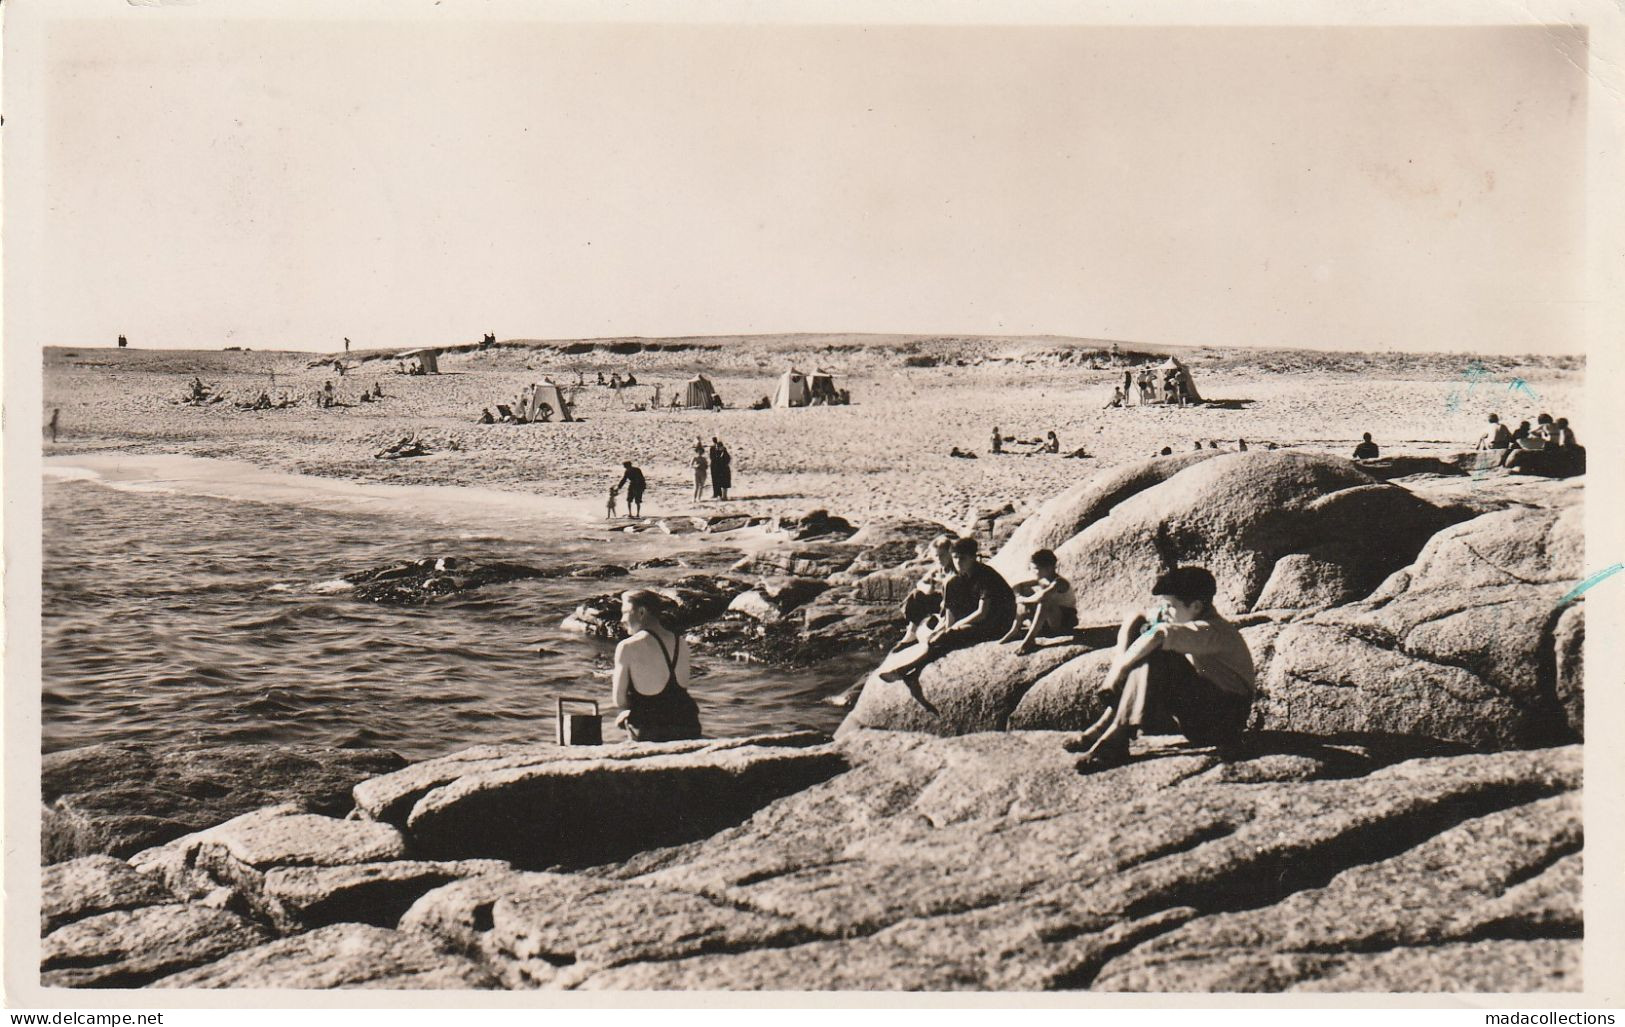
x=1578 y=590
x=1519 y=385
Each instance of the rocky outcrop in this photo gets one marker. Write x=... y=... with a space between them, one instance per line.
x=130 y=948
x=692 y=600
x=119 y=799
x=889 y=860
x=341 y=956
x=94 y=884
x=419 y=581
x=1376 y=612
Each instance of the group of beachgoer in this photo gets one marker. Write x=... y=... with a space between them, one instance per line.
x=327 y=396
x=716 y=462
x=1179 y=664
x=1048 y=444
x=1168 y=388
x=1549 y=435
x=1197 y=447
x=615 y=381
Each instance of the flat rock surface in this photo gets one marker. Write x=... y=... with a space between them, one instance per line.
x=94 y=884
x=120 y=799
x=130 y=948
x=341 y=956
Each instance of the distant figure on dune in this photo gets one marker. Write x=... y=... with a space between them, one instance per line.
x=1366 y=450
x=651 y=674
x=1241 y=445
x=1168 y=451
x=632 y=478
x=55 y=413
x=961 y=454
x=346 y=344
x=123 y=342
x=978 y=606
x=1180 y=662
x=1496 y=436
x=1198 y=445
x=998 y=440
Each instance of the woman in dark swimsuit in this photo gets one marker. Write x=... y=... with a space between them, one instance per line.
x=652 y=653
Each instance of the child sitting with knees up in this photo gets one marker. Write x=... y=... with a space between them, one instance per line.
x=1045 y=603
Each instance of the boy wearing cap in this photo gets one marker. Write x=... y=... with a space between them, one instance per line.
x=1179 y=665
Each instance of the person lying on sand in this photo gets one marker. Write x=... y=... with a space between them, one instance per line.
x=926 y=599
x=961 y=454
x=1045 y=603
x=1180 y=664
x=978 y=606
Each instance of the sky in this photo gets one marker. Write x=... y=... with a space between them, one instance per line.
x=210 y=182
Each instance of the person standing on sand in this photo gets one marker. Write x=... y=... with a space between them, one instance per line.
x=998 y=442
x=651 y=674
x=346 y=344
x=701 y=466
x=55 y=413
x=632 y=478
x=1128 y=385
x=722 y=477
x=1180 y=661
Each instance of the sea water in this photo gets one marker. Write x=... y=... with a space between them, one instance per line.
x=172 y=616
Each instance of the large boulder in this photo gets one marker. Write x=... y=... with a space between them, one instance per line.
x=986 y=862
x=94 y=884
x=692 y=600
x=1471 y=645
x=1239 y=515
x=341 y=956
x=121 y=798
x=419 y=581
x=130 y=948
x=1461 y=646
x=543 y=811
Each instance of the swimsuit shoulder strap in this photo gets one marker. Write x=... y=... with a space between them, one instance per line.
x=670 y=658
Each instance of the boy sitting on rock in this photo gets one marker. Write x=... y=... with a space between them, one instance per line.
x=1045 y=603
x=1180 y=665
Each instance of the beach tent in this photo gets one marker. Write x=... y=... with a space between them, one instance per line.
x=546 y=392
x=698 y=392
x=1184 y=374
x=427 y=358
x=792 y=390
x=821 y=388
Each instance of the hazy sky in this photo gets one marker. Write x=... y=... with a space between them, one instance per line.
x=211 y=183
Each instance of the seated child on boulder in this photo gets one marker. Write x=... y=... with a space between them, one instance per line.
x=1179 y=666
x=977 y=606
x=1045 y=603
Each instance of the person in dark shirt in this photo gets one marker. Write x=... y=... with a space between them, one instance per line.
x=632 y=478
x=1366 y=450
x=978 y=606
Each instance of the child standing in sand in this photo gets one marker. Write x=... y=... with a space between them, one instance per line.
x=614 y=491
x=1045 y=602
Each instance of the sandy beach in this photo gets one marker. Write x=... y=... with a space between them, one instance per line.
x=885 y=455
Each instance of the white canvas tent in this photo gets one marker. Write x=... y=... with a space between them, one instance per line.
x=428 y=358
x=792 y=390
x=698 y=392
x=547 y=393
x=1191 y=394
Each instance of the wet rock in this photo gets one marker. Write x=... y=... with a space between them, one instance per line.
x=420 y=581
x=341 y=956
x=992 y=526
x=818 y=560
x=130 y=948
x=583 y=812
x=91 y=885
x=692 y=600
x=772 y=601
x=608 y=570
x=121 y=798
x=812 y=524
